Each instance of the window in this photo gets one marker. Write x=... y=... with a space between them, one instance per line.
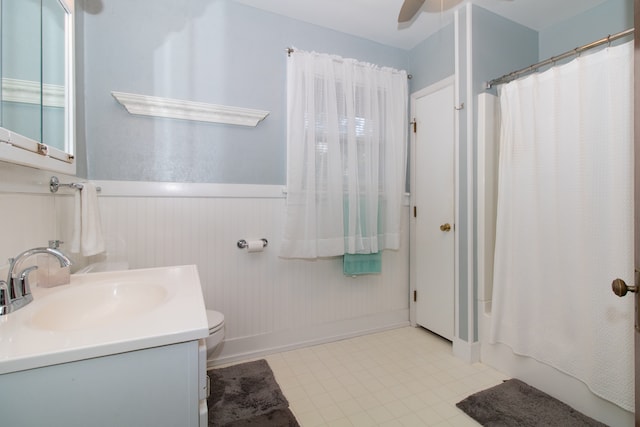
x=346 y=142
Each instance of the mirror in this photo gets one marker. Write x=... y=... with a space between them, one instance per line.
x=36 y=99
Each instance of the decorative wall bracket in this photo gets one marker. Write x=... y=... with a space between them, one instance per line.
x=188 y=110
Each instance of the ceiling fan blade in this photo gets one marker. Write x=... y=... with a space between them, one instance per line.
x=409 y=9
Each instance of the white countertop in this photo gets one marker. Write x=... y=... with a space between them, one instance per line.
x=165 y=308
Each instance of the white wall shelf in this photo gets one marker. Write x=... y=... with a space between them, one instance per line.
x=188 y=110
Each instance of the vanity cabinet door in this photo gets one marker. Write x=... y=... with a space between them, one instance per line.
x=152 y=387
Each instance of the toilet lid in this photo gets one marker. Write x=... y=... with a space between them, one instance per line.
x=215 y=319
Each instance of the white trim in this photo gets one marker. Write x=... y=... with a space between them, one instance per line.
x=481 y=191
x=181 y=189
x=19 y=179
x=488 y=146
x=470 y=176
x=110 y=188
x=412 y=185
x=70 y=78
x=28 y=92
x=188 y=110
x=469 y=352
x=456 y=166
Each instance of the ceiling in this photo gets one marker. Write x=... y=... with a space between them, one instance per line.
x=376 y=20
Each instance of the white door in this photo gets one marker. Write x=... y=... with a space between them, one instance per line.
x=433 y=208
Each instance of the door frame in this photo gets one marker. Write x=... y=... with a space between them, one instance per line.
x=448 y=81
x=636 y=168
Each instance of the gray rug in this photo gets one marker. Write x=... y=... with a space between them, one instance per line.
x=247 y=395
x=514 y=403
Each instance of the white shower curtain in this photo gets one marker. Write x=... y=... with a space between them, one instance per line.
x=565 y=220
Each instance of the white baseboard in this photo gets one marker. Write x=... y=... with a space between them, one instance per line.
x=469 y=352
x=246 y=348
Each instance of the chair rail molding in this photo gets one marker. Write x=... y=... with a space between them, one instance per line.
x=188 y=110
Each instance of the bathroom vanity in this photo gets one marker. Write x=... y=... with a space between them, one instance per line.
x=117 y=348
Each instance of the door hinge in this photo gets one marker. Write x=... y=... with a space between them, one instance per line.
x=414 y=123
x=415 y=212
x=415 y=296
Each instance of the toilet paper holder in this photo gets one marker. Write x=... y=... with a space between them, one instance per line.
x=242 y=243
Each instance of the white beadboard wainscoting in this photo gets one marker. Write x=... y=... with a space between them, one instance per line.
x=269 y=303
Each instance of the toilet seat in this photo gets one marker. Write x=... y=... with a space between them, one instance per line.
x=215 y=320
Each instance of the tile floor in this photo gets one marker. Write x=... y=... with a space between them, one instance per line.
x=401 y=377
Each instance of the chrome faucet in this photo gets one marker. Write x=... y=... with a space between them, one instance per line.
x=15 y=292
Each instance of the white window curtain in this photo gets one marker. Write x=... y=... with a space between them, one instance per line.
x=346 y=145
x=565 y=220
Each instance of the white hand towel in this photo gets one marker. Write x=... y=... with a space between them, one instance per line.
x=87 y=230
x=77 y=223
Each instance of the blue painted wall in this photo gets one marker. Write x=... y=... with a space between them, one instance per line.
x=430 y=61
x=499 y=47
x=433 y=59
x=214 y=51
x=221 y=52
x=608 y=18
x=81 y=137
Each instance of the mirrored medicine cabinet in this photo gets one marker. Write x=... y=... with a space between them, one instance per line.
x=37 y=92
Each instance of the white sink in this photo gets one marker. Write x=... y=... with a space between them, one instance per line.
x=97 y=305
x=101 y=314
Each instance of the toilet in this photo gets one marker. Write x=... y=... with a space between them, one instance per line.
x=216 y=331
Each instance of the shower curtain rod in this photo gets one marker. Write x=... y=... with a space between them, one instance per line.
x=290 y=50
x=515 y=74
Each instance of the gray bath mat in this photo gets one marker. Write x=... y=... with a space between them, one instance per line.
x=247 y=395
x=514 y=403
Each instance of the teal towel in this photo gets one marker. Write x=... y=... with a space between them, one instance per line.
x=357 y=264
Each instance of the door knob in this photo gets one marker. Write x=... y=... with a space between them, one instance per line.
x=620 y=288
x=445 y=227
